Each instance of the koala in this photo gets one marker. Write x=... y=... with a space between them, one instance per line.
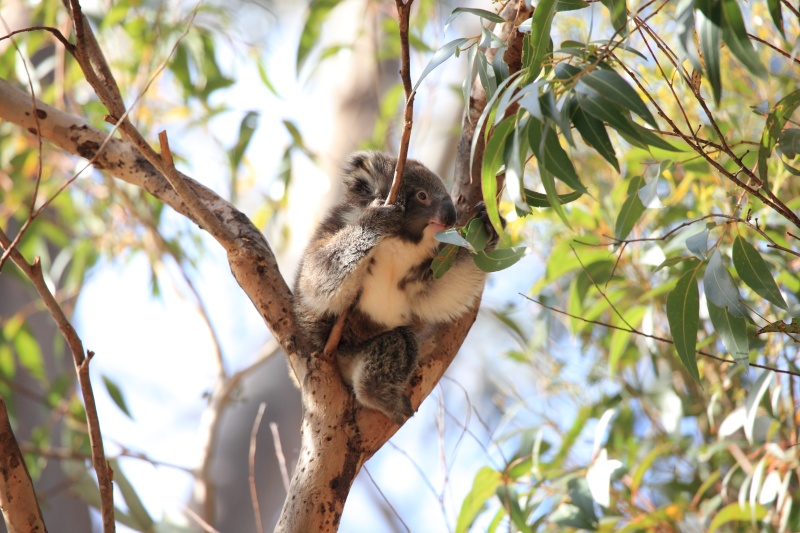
x=373 y=261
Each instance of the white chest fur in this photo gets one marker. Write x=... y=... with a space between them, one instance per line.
x=382 y=297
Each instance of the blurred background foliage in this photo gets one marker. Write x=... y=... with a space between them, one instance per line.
x=646 y=247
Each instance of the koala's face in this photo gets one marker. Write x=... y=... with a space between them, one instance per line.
x=427 y=206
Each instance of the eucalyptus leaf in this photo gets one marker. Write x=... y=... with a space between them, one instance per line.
x=593 y=132
x=481 y=13
x=439 y=57
x=683 y=315
x=631 y=210
x=698 y=245
x=732 y=331
x=539 y=42
x=719 y=287
x=755 y=272
x=498 y=259
x=649 y=195
x=453 y=236
x=443 y=260
x=612 y=86
x=710 y=36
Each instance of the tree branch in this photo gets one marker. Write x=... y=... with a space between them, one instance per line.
x=18 y=501
x=34 y=273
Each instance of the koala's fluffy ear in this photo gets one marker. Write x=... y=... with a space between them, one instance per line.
x=368 y=174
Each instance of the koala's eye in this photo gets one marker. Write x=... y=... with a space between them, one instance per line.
x=422 y=196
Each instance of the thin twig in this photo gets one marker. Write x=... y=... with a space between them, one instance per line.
x=276 y=441
x=252 y=465
x=403 y=11
x=654 y=337
x=56 y=33
x=34 y=273
x=392 y=507
x=208 y=528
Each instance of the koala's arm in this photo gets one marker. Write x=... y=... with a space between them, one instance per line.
x=452 y=295
x=334 y=264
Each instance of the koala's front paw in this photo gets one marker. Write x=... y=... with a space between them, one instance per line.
x=481 y=213
x=383 y=218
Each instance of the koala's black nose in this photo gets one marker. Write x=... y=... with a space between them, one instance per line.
x=448 y=213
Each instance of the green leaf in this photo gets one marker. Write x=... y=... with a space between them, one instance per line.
x=789 y=142
x=698 y=244
x=476 y=234
x=551 y=155
x=439 y=57
x=719 y=286
x=571 y=5
x=247 y=127
x=318 y=12
x=136 y=509
x=492 y=160
x=734 y=33
x=631 y=210
x=732 y=331
x=541 y=22
x=443 y=260
x=619 y=14
x=482 y=13
x=593 y=132
x=553 y=199
x=498 y=259
x=537 y=199
x=29 y=353
x=483 y=487
x=734 y=512
x=710 y=36
x=604 y=109
x=116 y=394
x=776 y=14
x=262 y=74
x=612 y=86
x=754 y=271
x=775 y=121
x=453 y=236
x=683 y=315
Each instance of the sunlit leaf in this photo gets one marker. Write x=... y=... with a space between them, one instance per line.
x=754 y=396
x=483 y=487
x=648 y=194
x=318 y=12
x=734 y=512
x=481 y=13
x=598 y=477
x=476 y=234
x=631 y=209
x=539 y=41
x=754 y=271
x=439 y=57
x=683 y=312
x=29 y=353
x=492 y=161
x=719 y=287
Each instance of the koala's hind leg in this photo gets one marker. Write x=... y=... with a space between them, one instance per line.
x=379 y=371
